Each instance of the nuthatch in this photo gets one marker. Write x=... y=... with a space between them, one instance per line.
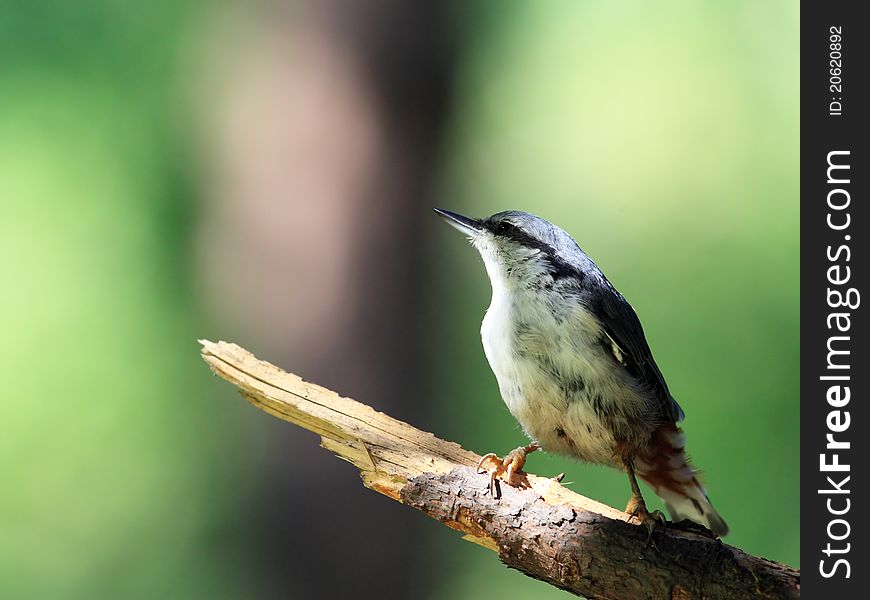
x=574 y=367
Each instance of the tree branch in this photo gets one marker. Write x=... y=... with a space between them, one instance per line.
x=545 y=530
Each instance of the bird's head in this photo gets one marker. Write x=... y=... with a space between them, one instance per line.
x=519 y=248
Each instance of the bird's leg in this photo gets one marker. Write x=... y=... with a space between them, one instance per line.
x=637 y=506
x=504 y=468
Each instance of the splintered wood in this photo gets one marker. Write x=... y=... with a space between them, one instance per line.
x=542 y=529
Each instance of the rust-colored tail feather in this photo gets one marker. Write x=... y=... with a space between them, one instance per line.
x=666 y=468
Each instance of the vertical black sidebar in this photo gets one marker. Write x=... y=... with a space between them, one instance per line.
x=835 y=224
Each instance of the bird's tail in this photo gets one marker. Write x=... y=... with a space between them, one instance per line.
x=669 y=471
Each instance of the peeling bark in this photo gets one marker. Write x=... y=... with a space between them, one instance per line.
x=542 y=529
x=594 y=556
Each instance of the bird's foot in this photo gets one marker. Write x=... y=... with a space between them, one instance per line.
x=505 y=468
x=651 y=520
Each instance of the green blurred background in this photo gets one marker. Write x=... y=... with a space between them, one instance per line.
x=663 y=136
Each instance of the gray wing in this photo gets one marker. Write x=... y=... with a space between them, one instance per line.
x=622 y=325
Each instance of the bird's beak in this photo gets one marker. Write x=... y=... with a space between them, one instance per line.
x=464 y=224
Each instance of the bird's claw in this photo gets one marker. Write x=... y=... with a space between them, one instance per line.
x=504 y=468
x=651 y=520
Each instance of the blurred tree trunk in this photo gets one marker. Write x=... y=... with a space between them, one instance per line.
x=327 y=122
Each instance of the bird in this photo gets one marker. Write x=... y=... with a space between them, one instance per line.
x=574 y=367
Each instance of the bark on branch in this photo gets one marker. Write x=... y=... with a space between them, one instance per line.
x=546 y=531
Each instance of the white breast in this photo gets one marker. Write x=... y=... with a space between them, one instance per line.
x=519 y=328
